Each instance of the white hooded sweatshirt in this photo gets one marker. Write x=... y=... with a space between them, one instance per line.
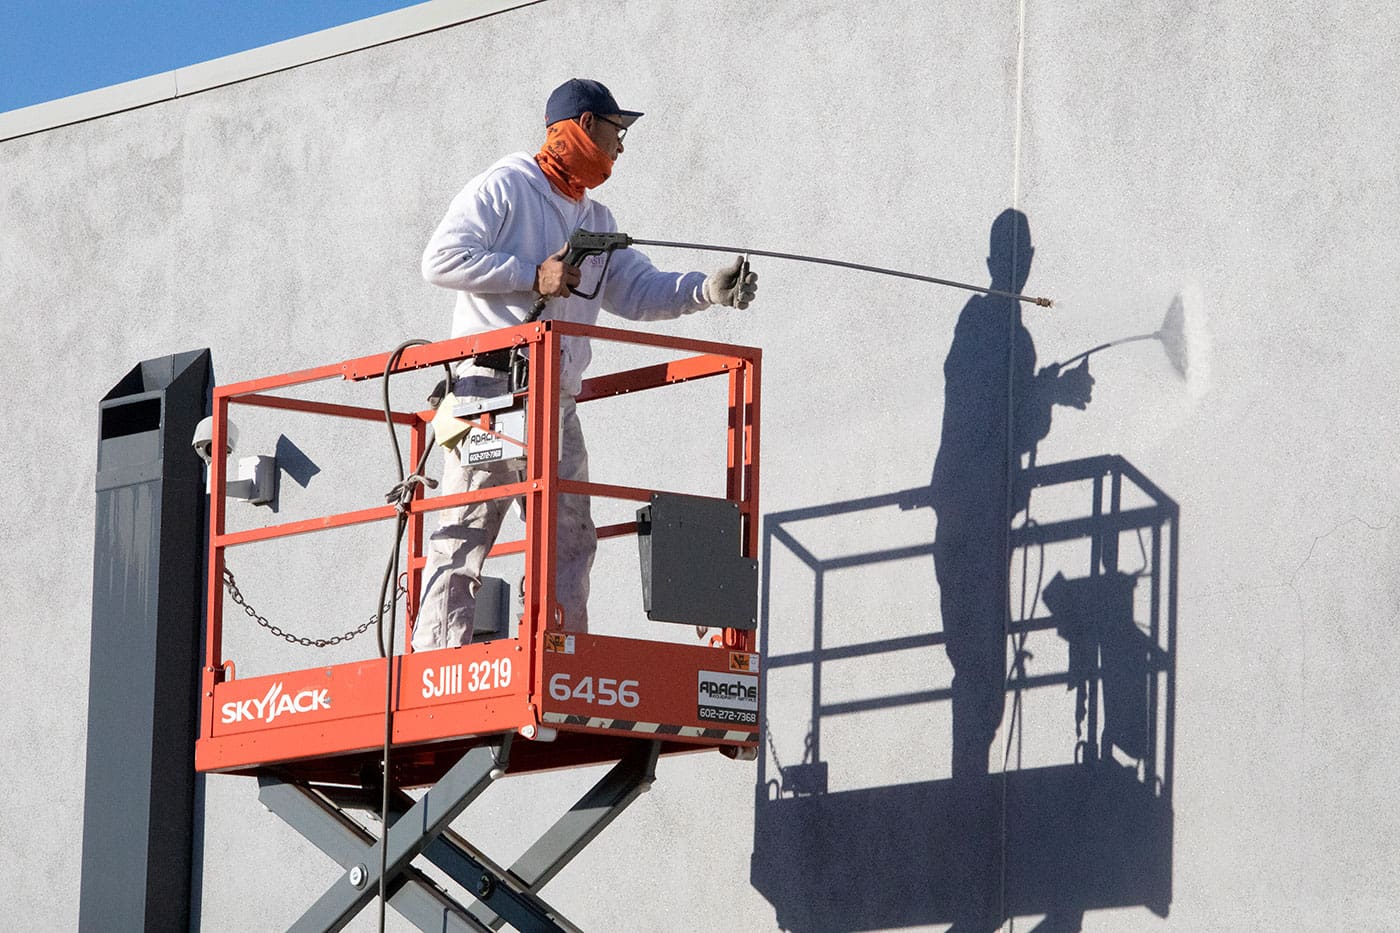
x=505 y=223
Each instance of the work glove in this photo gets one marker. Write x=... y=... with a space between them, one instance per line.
x=733 y=286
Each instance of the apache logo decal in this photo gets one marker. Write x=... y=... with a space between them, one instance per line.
x=275 y=703
x=724 y=697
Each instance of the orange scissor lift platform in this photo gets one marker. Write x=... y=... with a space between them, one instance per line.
x=577 y=699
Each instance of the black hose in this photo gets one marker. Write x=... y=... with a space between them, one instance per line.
x=390 y=592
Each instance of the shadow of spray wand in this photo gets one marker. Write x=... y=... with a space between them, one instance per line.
x=1172 y=334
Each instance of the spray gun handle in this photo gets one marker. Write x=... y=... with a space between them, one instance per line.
x=573 y=257
x=582 y=244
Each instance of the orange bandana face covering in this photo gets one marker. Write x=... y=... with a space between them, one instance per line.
x=571 y=161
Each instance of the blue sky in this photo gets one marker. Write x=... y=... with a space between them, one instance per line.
x=53 y=48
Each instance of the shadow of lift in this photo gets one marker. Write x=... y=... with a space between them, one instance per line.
x=1077 y=838
x=1057 y=841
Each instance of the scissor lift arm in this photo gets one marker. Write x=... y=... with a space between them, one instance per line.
x=421 y=827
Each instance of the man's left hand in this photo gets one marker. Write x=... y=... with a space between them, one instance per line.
x=733 y=286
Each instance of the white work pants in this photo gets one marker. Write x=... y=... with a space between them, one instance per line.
x=458 y=549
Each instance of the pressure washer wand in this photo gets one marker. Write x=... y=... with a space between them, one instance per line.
x=1042 y=302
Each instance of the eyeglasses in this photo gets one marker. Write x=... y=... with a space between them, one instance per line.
x=621 y=130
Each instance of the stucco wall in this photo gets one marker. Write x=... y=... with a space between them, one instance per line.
x=1242 y=159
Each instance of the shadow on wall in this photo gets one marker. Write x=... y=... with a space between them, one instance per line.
x=1091 y=830
x=294 y=462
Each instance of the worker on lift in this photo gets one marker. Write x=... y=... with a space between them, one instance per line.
x=501 y=247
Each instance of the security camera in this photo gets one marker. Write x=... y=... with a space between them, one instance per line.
x=255 y=479
x=203 y=442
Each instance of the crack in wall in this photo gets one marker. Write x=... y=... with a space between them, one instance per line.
x=1241 y=589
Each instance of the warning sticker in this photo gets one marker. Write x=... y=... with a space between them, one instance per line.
x=559 y=643
x=725 y=697
x=742 y=662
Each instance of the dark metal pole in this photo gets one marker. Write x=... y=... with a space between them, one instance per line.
x=143 y=690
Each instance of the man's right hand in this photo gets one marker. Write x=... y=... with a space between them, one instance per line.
x=1077 y=386
x=554 y=277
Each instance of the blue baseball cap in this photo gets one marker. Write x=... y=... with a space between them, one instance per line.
x=578 y=96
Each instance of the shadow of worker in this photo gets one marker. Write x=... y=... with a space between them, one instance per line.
x=997 y=407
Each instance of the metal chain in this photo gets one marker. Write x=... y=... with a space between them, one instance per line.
x=236 y=595
x=772 y=749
